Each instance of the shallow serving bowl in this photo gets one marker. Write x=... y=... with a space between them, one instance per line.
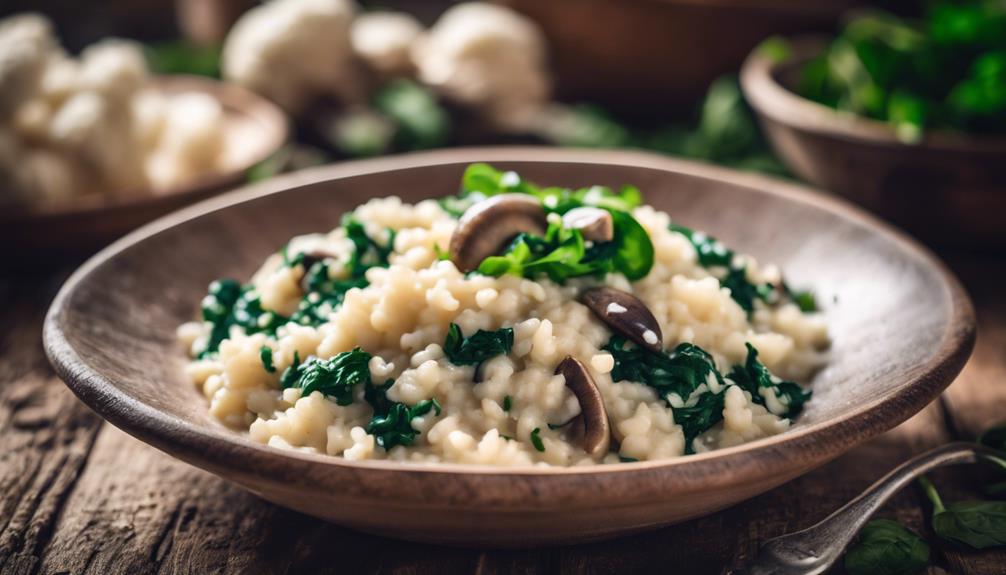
x=901 y=324
x=254 y=128
x=948 y=189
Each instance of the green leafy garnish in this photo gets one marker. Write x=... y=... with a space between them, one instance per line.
x=290 y=375
x=711 y=252
x=507 y=403
x=335 y=377
x=754 y=378
x=561 y=253
x=230 y=304
x=183 y=57
x=947 y=71
x=678 y=374
x=479 y=347
x=886 y=547
x=536 y=439
x=265 y=354
x=393 y=426
x=976 y=524
x=421 y=122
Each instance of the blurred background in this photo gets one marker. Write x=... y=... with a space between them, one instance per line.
x=899 y=106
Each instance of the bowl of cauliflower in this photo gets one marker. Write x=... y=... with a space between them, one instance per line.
x=93 y=145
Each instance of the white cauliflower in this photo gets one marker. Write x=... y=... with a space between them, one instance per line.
x=488 y=58
x=383 y=41
x=26 y=41
x=113 y=68
x=292 y=51
x=190 y=140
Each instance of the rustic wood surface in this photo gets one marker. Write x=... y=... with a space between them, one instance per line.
x=79 y=496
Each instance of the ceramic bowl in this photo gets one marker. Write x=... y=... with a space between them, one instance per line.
x=901 y=324
x=253 y=126
x=948 y=189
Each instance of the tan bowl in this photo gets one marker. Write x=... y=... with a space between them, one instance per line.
x=87 y=223
x=902 y=329
x=948 y=189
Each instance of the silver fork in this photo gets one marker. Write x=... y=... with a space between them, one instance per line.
x=817 y=548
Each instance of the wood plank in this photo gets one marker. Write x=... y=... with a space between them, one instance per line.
x=45 y=433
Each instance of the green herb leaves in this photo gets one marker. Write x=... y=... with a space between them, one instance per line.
x=677 y=375
x=733 y=275
x=393 y=426
x=479 y=347
x=561 y=253
x=334 y=377
x=754 y=378
x=886 y=547
x=265 y=354
x=536 y=439
x=976 y=524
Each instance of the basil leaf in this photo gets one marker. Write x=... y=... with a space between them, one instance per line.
x=886 y=547
x=479 y=347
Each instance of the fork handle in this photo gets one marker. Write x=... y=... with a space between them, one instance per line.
x=815 y=549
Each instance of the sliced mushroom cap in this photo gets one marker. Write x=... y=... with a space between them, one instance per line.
x=487 y=227
x=596 y=429
x=595 y=224
x=625 y=314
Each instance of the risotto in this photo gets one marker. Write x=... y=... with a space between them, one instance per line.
x=510 y=324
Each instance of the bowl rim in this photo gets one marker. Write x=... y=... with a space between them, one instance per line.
x=231 y=96
x=226 y=449
x=759 y=79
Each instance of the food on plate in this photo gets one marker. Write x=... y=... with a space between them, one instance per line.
x=947 y=71
x=511 y=324
x=89 y=125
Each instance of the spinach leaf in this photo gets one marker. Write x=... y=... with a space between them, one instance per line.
x=479 y=347
x=335 y=377
x=265 y=354
x=976 y=524
x=507 y=403
x=743 y=291
x=421 y=122
x=804 y=299
x=697 y=419
x=230 y=304
x=886 y=547
x=291 y=374
x=755 y=378
x=711 y=252
x=536 y=439
x=394 y=426
x=634 y=255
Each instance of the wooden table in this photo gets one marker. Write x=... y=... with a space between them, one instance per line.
x=79 y=496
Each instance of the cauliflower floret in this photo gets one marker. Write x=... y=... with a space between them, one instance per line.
x=383 y=41
x=114 y=68
x=489 y=58
x=292 y=51
x=190 y=142
x=26 y=41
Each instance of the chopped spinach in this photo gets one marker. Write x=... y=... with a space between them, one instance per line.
x=229 y=304
x=804 y=299
x=265 y=354
x=887 y=547
x=394 y=426
x=291 y=374
x=711 y=252
x=536 y=439
x=507 y=403
x=743 y=291
x=676 y=375
x=754 y=378
x=479 y=347
x=335 y=377
x=975 y=524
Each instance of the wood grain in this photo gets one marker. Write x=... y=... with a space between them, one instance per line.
x=116 y=348
x=126 y=508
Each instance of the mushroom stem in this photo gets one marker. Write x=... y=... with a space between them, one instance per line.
x=595 y=224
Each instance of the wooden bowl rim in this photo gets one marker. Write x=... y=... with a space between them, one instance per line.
x=232 y=97
x=226 y=450
x=760 y=83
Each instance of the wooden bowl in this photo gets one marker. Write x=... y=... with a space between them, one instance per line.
x=87 y=223
x=949 y=189
x=902 y=329
x=653 y=60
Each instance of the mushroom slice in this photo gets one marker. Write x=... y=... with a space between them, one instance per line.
x=595 y=224
x=625 y=314
x=488 y=226
x=596 y=429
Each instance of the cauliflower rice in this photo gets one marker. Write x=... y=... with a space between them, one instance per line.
x=511 y=409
